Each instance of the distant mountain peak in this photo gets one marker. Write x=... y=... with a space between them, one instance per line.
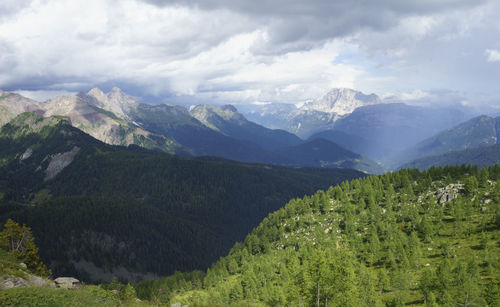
x=116 y=92
x=341 y=101
x=96 y=92
x=115 y=101
x=229 y=107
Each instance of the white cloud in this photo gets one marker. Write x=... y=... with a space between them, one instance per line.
x=493 y=55
x=241 y=51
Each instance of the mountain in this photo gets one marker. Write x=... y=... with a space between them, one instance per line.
x=484 y=155
x=323 y=153
x=270 y=115
x=352 y=142
x=175 y=122
x=230 y=122
x=99 y=123
x=313 y=116
x=394 y=127
x=341 y=101
x=197 y=136
x=12 y=104
x=99 y=211
x=116 y=101
x=288 y=117
x=477 y=132
x=403 y=238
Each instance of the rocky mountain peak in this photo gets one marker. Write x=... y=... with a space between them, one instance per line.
x=341 y=101
x=117 y=93
x=96 y=93
x=115 y=101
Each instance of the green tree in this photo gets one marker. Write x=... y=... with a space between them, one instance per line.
x=20 y=242
x=471 y=184
x=426 y=283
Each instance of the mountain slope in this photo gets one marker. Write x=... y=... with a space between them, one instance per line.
x=230 y=122
x=403 y=238
x=323 y=153
x=484 y=155
x=99 y=210
x=175 y=122
x=12 y=104
x=396 y=126
x=352 y=142
x=479 y=131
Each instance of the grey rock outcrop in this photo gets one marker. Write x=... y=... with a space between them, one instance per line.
x=28 y=280
x=448 y=193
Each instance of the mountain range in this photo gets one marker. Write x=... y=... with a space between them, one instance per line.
x=312 y=116
x=365 y=124
x=355 y=129
x=204 y=130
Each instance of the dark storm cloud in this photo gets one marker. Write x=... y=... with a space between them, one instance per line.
x=301 y=24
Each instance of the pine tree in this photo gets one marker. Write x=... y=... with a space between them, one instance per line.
x=426 y=283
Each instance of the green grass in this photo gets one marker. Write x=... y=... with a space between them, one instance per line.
x=54 y=297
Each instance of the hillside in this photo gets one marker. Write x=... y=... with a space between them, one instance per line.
x=99 y=211
x=479 y=131
x=396 y=126
x=403 y=238
x=323 y=153
x=230 y=122
x=484 y=155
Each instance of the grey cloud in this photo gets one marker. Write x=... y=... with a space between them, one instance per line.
x=311 y=22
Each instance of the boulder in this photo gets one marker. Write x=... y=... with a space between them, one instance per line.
x=67 y=283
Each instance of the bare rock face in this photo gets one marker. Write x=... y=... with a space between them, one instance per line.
x=116 y=101
x=26 y=154
x=341 y=101
x=59 y=161
x=448 y=193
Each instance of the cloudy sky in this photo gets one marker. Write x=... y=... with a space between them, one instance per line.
x=240 y=51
